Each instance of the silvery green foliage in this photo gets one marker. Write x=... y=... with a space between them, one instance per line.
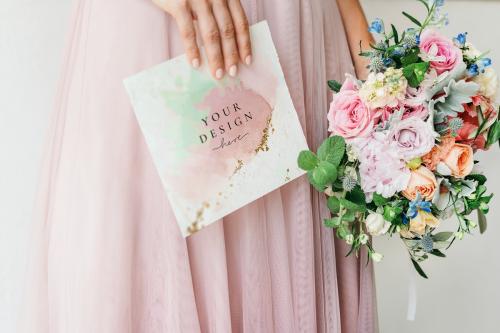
x=444 y=79
x=349 y=183
x=451 y=103
x=376 y=64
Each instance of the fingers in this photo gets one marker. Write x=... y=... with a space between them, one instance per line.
x=211 y=39
x=185 y=24
x=240 y=23
x=227 y=34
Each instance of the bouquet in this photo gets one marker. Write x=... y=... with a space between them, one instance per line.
x=400 y=160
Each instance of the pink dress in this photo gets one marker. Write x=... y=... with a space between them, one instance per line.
x=108 y=255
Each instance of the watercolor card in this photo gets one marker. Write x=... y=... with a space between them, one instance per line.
x=218 y=145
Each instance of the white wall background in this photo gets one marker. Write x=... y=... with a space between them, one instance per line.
x=462 y=295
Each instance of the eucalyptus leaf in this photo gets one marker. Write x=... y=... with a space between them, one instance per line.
x=317 y=186
x=442 y=236
x=349 y=216
x=438 y=253
x=493 y=134
x=482 y=221
x=419 y=269
x=411 y=18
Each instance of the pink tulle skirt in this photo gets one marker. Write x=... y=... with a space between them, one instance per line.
x=108 y=255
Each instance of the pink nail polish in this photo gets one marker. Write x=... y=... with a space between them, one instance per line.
x=196 y=63
x=248 y=60
x=233 y=70
x=219 y=74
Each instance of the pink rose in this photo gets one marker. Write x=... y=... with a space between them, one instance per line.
x=412 y=137
x=468 y=133
x=440 y=50
x=349 y=117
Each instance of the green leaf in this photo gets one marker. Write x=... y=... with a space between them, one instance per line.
x=351 y=206
x=411 y=18
x=349 y=216
x=317 y=186
x=379 y=200
x=438 y=253
x=357 y=196
x=307 y=160
x=334 y=85
x=333 y=204
x=482 y=221
x=395 y=34
x=411 y=58
x=419 y=269
x=442 y=236
x=324 y=173
x=493 y=134
x=415 y=73
x=332 y=223
x=332 y=150
x=481 y=179
x=392 y=213
x=425 y=4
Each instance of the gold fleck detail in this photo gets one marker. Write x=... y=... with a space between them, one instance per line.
x=263 y=146
x=196 y=225
x=238 y=166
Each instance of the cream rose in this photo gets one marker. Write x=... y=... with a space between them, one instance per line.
x=488 y=83
x=422 y=181
x=460 y=160
x=419 y=223
x=376 y=225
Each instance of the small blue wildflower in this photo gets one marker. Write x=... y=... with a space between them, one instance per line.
x=473 y=70
x=486 y=62
x=398 y=51
x=405 y=219
x=461 y=39
x=388 y=62
x=416 y=205
x=417 y=39
x=377 y=26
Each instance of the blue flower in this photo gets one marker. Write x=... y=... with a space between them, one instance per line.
x=377 y=26
x=438 y=3
x=398 y=51
x=473 y=70
x=486 y=62
x=461 y=39
x=416 y=205
x=417 y=38
x=388 y=62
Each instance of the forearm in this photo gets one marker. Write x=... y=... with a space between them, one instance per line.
x=356 y=28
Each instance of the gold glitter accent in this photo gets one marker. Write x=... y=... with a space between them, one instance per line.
x=265 y=137
x=196 y=225
x=238 y=166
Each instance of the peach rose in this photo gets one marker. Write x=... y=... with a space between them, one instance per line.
x=460 y=160
x=457 y=157
x=422 y=181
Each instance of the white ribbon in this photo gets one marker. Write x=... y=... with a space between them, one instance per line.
x=412 y=295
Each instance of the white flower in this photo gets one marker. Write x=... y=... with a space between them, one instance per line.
x=471 y=51
x=376 y=225
x=349 y=239
x=488 y=83
x=363 y=238
x=377 y=257
x=352 y=154
x=384 y=89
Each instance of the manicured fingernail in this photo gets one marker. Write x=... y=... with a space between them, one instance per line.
x=219 y=73
x=196 y=63
x=248 y=60
x=232 y=70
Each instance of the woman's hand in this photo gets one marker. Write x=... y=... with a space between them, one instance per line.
x=223 y=27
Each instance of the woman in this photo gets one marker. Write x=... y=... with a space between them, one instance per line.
x=108 y=254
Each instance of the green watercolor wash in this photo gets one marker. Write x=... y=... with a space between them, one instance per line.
x=183 y=102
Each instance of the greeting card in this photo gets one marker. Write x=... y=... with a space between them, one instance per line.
x=218 y=145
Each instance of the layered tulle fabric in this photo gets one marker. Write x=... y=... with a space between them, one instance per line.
x=107 y=253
